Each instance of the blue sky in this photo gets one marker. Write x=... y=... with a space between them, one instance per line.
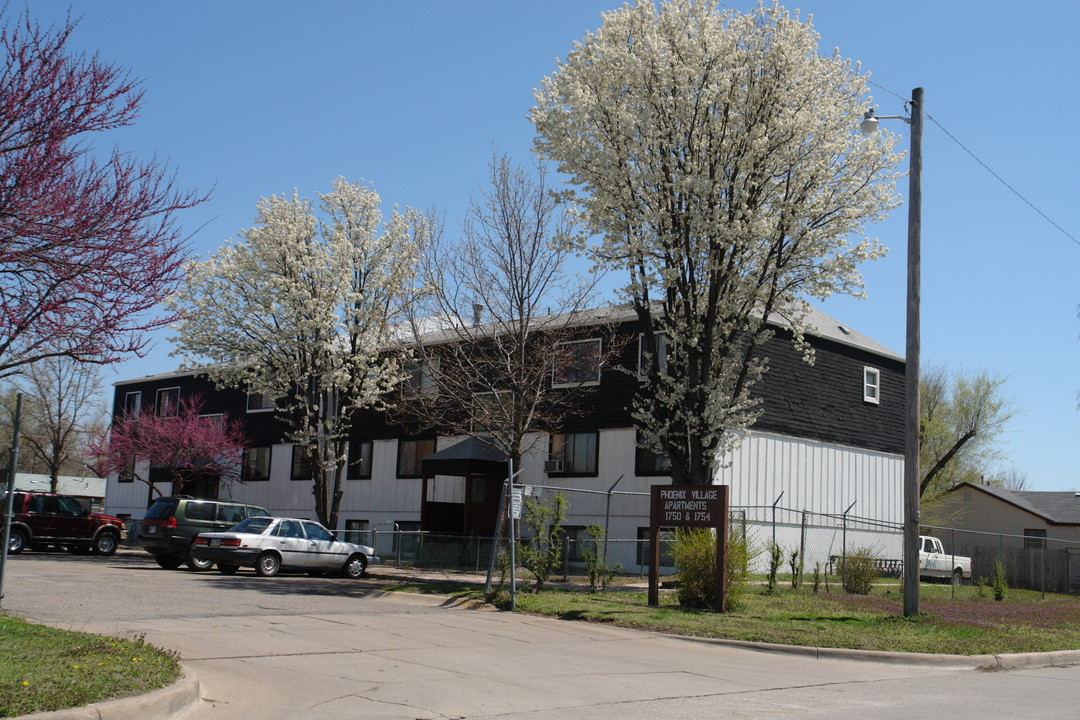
x=252 y=99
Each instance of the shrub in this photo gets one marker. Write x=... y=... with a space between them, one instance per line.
x=999 y=581
x=859 y=571
x=795 y=562
x=694 y=554
x=596 y=567
x=776 y=557
x=817 y=577
x=542 y=555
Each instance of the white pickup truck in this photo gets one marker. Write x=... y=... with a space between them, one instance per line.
x=935 y=563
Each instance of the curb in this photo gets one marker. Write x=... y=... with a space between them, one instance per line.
x=1011 y=661
x=163 y=704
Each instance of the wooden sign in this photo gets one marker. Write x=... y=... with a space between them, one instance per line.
x=704 y=506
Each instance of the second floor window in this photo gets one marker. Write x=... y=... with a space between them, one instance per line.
x=661 y=354
x=576 y=363
x=259 y=402
x=132 y=403
x=168 y=402
x=872 y=385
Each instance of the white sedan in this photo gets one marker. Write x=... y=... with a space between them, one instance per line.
x=271 y=544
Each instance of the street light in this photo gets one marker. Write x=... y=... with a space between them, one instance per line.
x=869 y=125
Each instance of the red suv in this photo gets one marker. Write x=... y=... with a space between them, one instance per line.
x=39 y=519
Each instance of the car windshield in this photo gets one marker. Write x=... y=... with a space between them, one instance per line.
x=253 y=525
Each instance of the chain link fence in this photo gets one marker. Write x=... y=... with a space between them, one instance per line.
x=613 y=527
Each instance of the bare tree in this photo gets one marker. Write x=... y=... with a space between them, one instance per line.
x=502 y=323
x=61 y=411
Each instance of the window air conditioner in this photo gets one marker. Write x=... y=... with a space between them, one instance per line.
x=553 y=466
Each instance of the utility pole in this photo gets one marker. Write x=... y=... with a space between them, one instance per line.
x=914 y=295
x=9 y=499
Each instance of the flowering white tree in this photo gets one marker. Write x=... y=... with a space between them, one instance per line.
x=299 y=310
x=717 y=155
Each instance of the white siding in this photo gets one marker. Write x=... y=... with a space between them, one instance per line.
x=813 y=476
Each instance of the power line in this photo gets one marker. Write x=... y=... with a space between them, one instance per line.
x=986 y=167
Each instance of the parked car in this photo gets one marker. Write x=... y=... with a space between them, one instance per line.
x=41 y=519
x=170 y=525
x=271 y=544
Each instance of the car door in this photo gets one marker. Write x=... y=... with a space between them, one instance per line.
x=72 y=520
x=289 y=540
x=325 y=552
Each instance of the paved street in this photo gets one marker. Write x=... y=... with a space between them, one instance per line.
x=299 y=647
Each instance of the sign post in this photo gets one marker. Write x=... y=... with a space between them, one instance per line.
x=704 y=506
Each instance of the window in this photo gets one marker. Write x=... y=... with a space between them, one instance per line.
x=577 y=451
x=301 y=464
x=259 y=402
x=356 y=531
x=289 y=529
x=577 y=540
x=576 y=363
x=1035 y=539
x=132 y=403
x=492 y=410
x=359 y=460
x=410 y=454
x=256 y=463
x=661 y=353
x=644 y=552
x=871 y=385
x=315 y=531
x=127 y=474
x=647 y=462
x=168 y=402
x=422 y=378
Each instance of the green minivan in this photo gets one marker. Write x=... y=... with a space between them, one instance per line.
x=170 y=525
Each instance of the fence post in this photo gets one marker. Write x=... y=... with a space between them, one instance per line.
x=566 y=559
x=952 y=544
x=607 y=516
x=802 y=540
x=775 y=503
x=843 y=560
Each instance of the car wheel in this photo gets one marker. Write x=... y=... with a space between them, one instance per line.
x=355 y=567
x=16 y=542
x=267 y=565
x=958 y=577
x=106 y=543
x=226 y=569
x=169 y=562
x=196 y=564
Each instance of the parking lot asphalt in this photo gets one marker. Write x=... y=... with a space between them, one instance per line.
x=299 y=647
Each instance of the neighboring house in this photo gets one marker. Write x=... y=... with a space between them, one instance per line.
x=1029 y=516
x=831 y=434
x=90 y=491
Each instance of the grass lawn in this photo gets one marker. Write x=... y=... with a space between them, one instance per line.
x=42 y=668
x=972 y=623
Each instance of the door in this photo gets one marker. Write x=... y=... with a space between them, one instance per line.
x=326 y=553
x=289 y=540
